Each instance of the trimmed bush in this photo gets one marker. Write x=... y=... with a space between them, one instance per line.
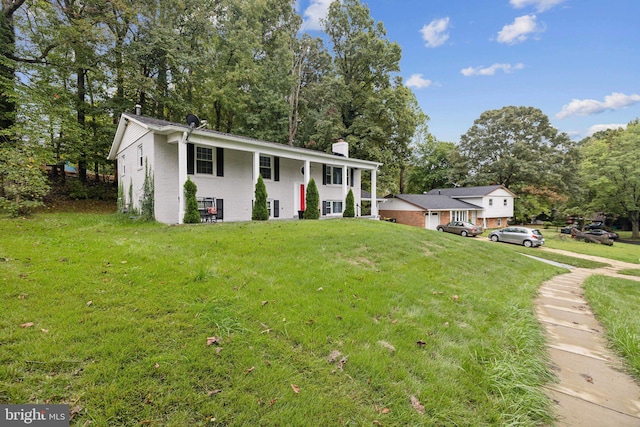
x=191 y=215
x=350 y=206
x=312 y=202
x=260 y=212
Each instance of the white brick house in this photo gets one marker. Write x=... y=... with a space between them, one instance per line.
x=226 y=167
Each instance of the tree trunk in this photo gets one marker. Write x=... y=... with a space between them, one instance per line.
x=7 y=69
x=82 y=162
x=635 y=224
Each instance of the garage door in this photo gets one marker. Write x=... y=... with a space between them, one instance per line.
x=431 y=220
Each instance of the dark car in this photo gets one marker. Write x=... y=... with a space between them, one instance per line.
x=462 y=228
x=568 y=228
x=519 y=235
x=600 y=232
x=595 y=225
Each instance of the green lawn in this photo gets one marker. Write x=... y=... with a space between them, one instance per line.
x=619 y=251
x=351 y=322
x=615 y=303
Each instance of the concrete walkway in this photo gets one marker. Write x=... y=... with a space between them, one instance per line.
x=592 y=389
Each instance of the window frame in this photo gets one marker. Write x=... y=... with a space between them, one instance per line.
x=331 y=174
x=201 y=161
x=332 y=204
x=140 y=157
x=270 y=167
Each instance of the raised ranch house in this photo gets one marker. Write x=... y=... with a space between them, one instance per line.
x=490 y=206
x=225 y=168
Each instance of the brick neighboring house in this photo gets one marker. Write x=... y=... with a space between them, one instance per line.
x=490 y=206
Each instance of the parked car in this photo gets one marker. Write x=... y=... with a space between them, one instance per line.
x=567 y=229
x=600 y=232
x=462 y=228
x=520 y=235
x=595 y=225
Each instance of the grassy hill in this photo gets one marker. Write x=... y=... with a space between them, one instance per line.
x=341 y=322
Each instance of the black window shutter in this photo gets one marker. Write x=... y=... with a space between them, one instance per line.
x=276 y=208
x=219 y=161
x=219 y=209
x=351 y=181
x=324 y=207
x=191 y=158
x=276 y=168
x=324 y=174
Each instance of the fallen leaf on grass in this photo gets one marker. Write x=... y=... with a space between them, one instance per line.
x=334 y=356
x=248 y=371
x=376 y=422
x=44 y=330
x=214 y=392
x=419 y=407
x=89 y=303
x=385 y=411
x=295 y=388
x=213 y=340
x=421 y=343
x=265 y=303
x=27 y=325
x=156 y=365
x=388 y=346
x=75 y=411
x=455 y=297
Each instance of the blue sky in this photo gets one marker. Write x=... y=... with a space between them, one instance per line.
x=576 y=60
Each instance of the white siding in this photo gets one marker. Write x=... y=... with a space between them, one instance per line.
x=498 y=210
x=165 y=174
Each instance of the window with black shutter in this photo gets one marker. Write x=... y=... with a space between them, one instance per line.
x=219 y=161
x=191 y=159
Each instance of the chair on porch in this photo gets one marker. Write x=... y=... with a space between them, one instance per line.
x=207 y=208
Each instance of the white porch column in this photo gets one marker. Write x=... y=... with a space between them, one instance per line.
x=182 y=175
x=374 y=197
x=307 y=173
x=345 y=187
x=256 y=167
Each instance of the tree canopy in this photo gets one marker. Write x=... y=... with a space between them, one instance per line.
x=611 y=170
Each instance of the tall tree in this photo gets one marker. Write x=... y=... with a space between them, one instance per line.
x=377 y=113
x=7 y=66
x=611 y=168
x=514 y=147
x=431 y=163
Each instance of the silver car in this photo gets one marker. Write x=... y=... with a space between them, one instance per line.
x=519 y=235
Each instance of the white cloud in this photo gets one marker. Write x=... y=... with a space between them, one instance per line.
x=587 y=107
x=418 y=82
x=520 y=30
x=540 y=5
x=435 y=33
x=597 y=128
x=490 y=71
x=316 y=11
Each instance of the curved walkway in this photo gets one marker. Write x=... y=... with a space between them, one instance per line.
x=592 y=389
